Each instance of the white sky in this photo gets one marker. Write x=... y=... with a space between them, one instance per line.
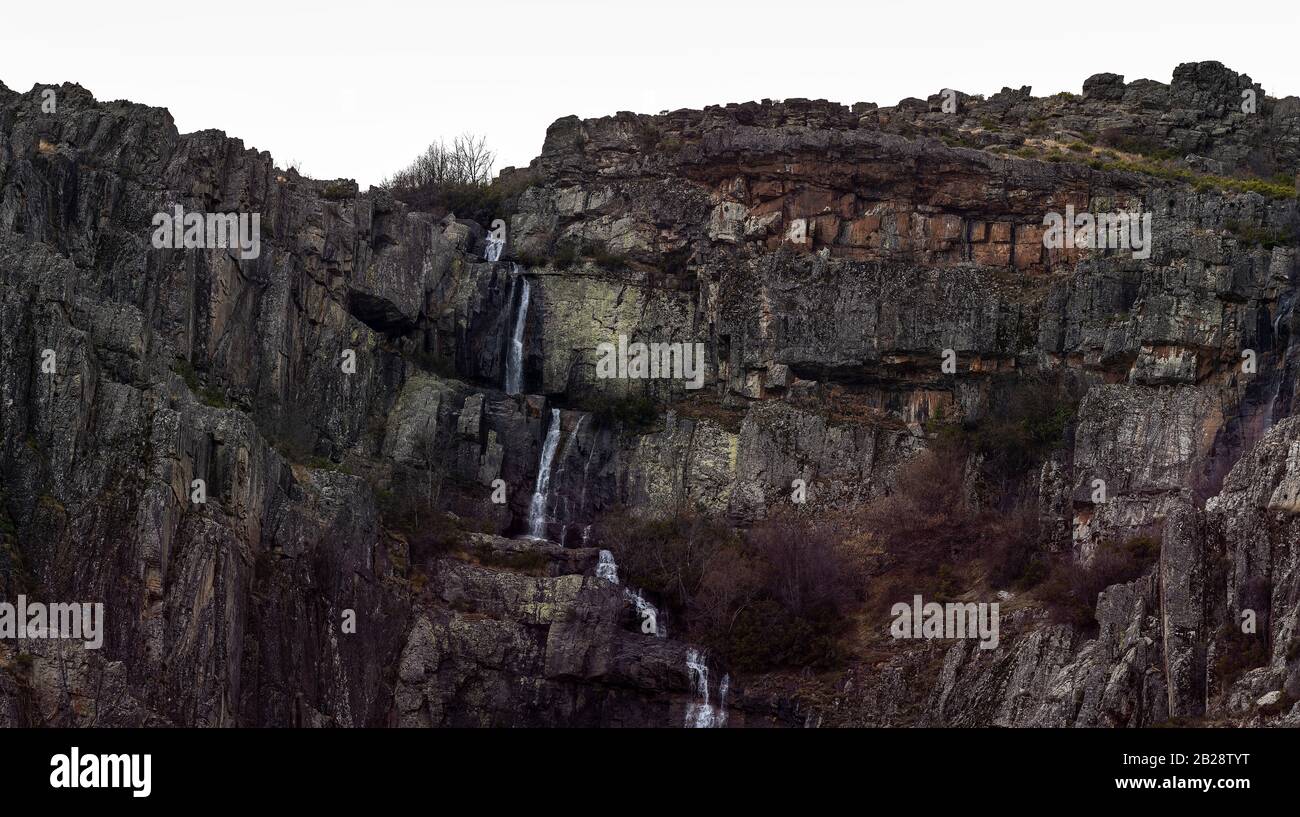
x=358 y=88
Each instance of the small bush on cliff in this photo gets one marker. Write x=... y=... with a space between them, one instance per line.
x=568 y=253
x=1029 y=423
x=604 y=258
x=565 y=255
x=633 y=412
x=15 y=577
x=765 y=636
x=339 y=191
x=928 y=525
x=408 y=505
x=1013 y=556
x=1071 y=590
x=442 y=533
x=665 y=556
x=1235 y=653
x=805 y=571
x=926 y=520
x=1026 y=420
x=532 y=562
x=319 y=463
x=1256 y=236
x=430 y=361
x=208 y=395
x=776 y=597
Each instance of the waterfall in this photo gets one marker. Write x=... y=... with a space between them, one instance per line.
x=647 y=613
x=606 y=569
x=492 y=249
x=537 y=507
x=723 y=689
x=702 y=714
x=515 y=356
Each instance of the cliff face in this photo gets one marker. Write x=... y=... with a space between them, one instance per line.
x=172 y=366
x=826 y=257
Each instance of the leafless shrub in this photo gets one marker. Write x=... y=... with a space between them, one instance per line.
x=1071 y=590
x=805 y=572
x=665 y=556
x=466 y=162
x=730 y=582
x=775 y=596
x=926 y=519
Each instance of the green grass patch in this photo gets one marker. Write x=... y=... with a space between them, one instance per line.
x=1204 y=182
x=338 y=191
x=208 y=395
x=1254 y=235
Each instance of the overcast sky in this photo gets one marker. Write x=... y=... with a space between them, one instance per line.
x=358 y=88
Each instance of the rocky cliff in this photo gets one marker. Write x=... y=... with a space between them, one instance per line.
x=860 y=279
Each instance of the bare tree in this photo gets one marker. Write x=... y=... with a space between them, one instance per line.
x=466 y=162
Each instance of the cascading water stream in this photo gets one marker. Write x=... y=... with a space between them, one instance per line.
x=515 y=354
x=702 y=714
x=548 y=496
x=647 y=613
x=537 y=507
x=607 y=569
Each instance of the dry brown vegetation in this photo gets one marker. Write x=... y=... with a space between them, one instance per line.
x=959 y=521
x=1070 y=591
x=774 y=596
